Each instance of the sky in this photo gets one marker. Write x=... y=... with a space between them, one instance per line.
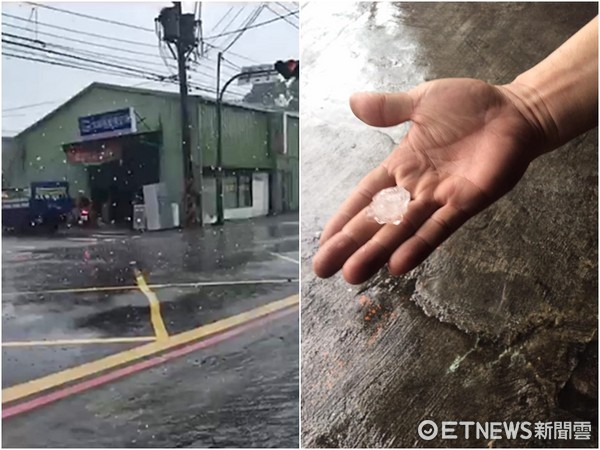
x=26 y=83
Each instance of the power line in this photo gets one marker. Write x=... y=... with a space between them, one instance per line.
x=111 y=69
x=164 y=58
x=221 y=19
x=75 y=66
x=236 y=15
x=239 y=11
x=230 y=64
x=92 y=44
x=282 y=5
x=283 y=18
x=233 y=53
x=145 y=64
x=117 y=66
x=70 y=30
x=35 y=56
x=233 y=68
x=86 y=16
x=32 y=105
x=117 y=70
x=147 y=76
x=230 y=71
x=115 y=39
x=88 y=68
x=80 y=51
x=251 y=19
x=266 y=22
x=107 y=38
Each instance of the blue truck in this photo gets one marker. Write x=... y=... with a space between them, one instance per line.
x=42 y=206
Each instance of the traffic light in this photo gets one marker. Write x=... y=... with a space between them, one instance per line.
x=288 y=69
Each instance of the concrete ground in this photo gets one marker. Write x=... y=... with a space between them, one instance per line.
x=500 y=323
x=164 y=339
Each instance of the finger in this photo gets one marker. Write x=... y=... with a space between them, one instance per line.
x=382 y=109
x=376 y=252
x=360 y=197
x=333 y=254
x=432 y=233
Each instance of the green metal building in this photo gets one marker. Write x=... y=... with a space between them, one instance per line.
x=108 y=141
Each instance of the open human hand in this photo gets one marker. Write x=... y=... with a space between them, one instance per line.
x=469 y=143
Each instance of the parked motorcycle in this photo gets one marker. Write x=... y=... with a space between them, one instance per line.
x=84 y=217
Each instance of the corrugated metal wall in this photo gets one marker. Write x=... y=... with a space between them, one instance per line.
x=245 y=137
x=286 y=183
x=293 y=153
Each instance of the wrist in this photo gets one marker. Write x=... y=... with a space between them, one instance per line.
x=535 y=110
x=560 y=94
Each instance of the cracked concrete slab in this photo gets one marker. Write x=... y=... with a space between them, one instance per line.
x=500 y=323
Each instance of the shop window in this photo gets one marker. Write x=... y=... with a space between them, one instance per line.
x=230 y=192
x=245 y=191
x=237 y=192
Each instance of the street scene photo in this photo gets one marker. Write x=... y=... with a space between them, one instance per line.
x=150 y=225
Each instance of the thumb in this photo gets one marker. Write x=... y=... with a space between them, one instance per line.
x=382 y=109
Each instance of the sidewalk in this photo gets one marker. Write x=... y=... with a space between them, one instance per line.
x=288 y=218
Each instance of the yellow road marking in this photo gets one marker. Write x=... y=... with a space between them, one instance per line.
x=56 y=379
x=224 y=283
x=151 y=286
x=117 y=340
x=157 y=322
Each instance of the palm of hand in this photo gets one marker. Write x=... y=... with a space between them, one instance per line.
x=468 y=145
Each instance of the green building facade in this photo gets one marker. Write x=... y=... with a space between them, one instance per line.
x=259 y=160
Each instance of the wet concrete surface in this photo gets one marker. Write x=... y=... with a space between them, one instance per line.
x=500 y=323
x=171 y=262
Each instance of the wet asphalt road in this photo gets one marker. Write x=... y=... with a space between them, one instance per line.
x=239 y=392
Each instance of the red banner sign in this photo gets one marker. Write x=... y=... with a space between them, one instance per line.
x=86 y=153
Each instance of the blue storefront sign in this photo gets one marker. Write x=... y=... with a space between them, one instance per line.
x=107 y=124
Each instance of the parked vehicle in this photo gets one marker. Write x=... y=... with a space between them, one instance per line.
x=42 y=206
x=83 y=211
x=84 y=217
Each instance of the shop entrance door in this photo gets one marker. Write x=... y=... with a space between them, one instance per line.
x=116 y=185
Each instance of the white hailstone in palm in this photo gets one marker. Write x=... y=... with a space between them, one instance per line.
x=389 y=205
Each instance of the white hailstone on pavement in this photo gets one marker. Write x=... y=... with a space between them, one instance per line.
x=389 y=205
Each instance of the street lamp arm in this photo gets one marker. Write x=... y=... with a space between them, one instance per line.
x=241 y=74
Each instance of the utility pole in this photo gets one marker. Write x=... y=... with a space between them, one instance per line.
x=186 y=144
x=180 y=30
x=219 y=159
